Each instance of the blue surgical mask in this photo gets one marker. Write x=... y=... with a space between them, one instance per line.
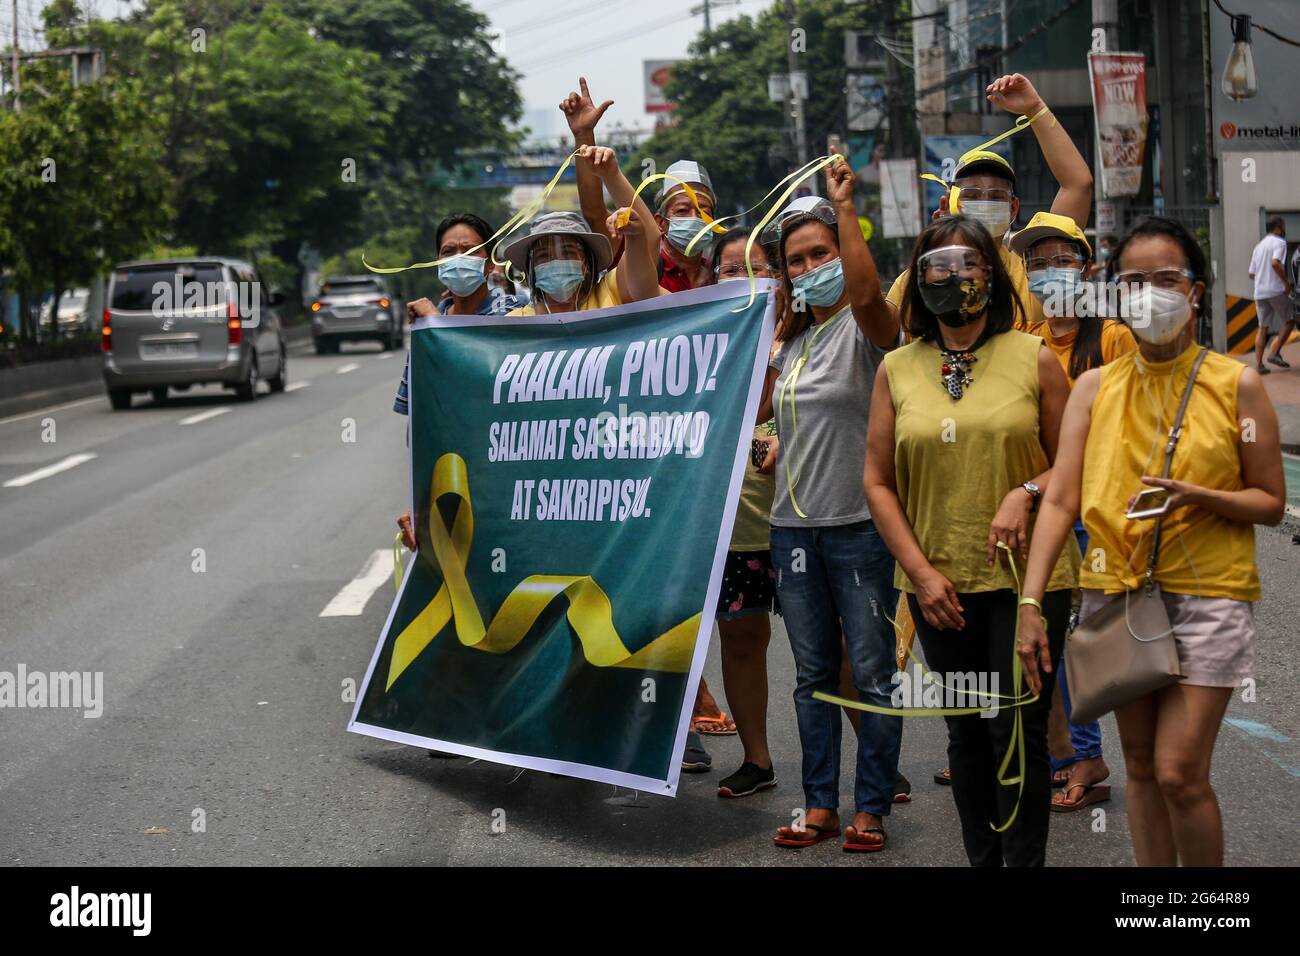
x=462 y=274
x=682 y=230
x=822 y=286
x=1064 y=283
x=559 y=279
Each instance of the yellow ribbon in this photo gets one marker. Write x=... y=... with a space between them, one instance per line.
x=590 y=612
x=1016 y=749
x=625 y=213
x=515 y=222
x=1023 y=121
x=397 y=562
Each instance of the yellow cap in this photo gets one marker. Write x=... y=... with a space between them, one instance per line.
x=1047 y=225
x=979 y=157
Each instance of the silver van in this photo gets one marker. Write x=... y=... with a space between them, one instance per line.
x=356 y=308
x=192 y=321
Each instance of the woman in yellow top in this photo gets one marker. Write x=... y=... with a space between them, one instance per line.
x=960 y=443
x=566 y=266
x=1226 y=478
x=1056 y=253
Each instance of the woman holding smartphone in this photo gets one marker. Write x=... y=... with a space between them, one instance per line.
x=1226 y=477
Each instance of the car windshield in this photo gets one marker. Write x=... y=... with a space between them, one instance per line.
x=137 y=289
x=350 y=287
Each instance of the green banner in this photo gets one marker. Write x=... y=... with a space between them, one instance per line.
x=574 y=483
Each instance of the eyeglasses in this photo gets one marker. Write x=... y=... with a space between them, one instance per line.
x=1066 y=260
x=733 y=269
x=975 y=194
x=1167 y=277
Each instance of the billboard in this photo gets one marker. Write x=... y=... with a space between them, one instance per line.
x=1119 y=103
x=1253 y=101
x=657 y=73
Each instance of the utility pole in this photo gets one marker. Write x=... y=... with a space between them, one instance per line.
x=17 y=83
x=798 y=90
x=1105 y=16
x=708 y=24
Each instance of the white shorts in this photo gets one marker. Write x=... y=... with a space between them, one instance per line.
x=1215 y=636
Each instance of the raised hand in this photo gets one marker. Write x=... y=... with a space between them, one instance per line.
x=1015 y=94
x=603 y=160
x=581 y=112
x=839 y=182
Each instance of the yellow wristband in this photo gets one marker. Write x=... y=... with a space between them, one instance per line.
x=1035 y=602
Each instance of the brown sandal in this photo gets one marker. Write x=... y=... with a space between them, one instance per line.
x=811 y=835
x=1092 y=793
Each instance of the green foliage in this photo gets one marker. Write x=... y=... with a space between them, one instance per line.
x=82 y=182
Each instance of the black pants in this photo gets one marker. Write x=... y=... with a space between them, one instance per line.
x=977 y=745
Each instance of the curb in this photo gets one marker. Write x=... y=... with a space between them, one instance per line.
x=89 y=380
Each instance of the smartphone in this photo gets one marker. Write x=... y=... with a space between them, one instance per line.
x=758 y=452
x=1149 y=503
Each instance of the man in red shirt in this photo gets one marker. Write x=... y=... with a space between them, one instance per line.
x=679 y=222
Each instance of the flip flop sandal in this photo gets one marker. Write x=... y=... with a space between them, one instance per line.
x=853 y=842
x=817 y=835
x=902 y=790
x=944 y=777
x=720 y=726
x=1092 y=793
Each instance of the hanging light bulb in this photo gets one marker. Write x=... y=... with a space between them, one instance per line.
x=1239 y=80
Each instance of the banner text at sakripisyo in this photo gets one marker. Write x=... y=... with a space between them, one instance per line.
x=575 y=480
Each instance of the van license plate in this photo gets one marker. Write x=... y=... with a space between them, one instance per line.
x=169 y=350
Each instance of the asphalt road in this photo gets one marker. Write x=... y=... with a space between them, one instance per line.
x=223 y=687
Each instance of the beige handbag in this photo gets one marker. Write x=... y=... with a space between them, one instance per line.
x=1127 y=650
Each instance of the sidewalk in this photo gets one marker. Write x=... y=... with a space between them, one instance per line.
x=1283 y=387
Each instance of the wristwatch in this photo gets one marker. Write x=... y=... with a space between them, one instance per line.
x=1034 y=493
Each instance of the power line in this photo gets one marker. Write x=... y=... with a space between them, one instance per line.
x=1258 y=26
x=610 y=40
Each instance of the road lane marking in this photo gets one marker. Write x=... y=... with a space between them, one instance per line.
x=52 y=408
x=350 y=367
x=1277 y=747
x=294 y=386
x=383 y=355
x=203 y=416
x=351 y=600
x=72 y=461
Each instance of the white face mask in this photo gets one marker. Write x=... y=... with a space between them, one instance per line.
x=1156 y=315
x=994 y=216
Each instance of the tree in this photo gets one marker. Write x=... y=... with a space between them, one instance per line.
x=82 y=184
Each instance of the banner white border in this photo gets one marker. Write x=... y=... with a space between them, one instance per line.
x=666 y=787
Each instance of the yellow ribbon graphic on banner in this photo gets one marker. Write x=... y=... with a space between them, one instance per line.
x=1015 y=750
x=954 y=192
x=590 y=612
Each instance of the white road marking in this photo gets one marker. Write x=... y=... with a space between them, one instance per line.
x=203 y=416
x=72 y=461
x=294 y=386
x=383 y=355
x=350 y=367
x=351 y=600
x=52 y=408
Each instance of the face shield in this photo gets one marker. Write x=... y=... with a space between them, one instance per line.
x=938 y=265
x=813 y=206
x=557 y=266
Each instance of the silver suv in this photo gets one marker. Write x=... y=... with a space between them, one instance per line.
x=191 y=321
x=352 y=308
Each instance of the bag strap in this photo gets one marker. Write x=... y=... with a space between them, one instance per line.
x=1175 y=433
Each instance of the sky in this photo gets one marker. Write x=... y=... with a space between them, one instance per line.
x=550 y=42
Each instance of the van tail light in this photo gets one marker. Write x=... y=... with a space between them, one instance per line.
x=234 y=331
x=382 y=303
x=315 y=306
x=106 y=337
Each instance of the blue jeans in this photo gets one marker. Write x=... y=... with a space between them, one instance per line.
x=831 y=581
x=1085 y=739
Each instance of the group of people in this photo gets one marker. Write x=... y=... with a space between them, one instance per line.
x=967 y=443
